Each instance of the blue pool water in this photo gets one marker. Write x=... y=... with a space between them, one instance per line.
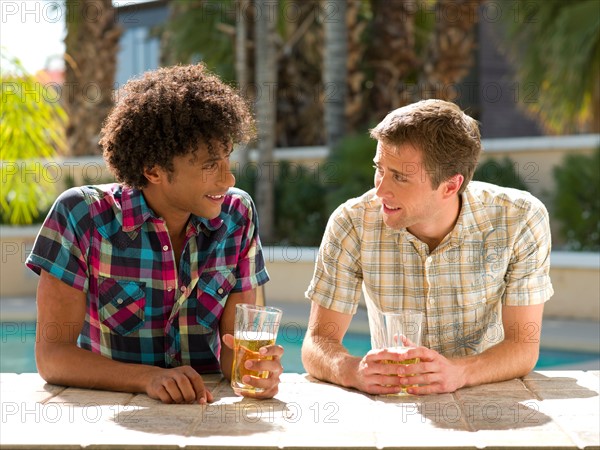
x=17 y=341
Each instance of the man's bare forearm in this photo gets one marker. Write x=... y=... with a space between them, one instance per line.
x=69 y=365
x=503 y=361
x=329 y=360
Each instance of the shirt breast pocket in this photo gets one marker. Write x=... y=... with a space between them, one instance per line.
x=121 y=304
x=214 y=286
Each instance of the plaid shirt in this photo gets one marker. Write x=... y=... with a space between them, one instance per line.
x=497 y=254
x=106 y=241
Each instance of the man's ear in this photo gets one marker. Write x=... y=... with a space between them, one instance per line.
x=154 y=174
x=453 y=184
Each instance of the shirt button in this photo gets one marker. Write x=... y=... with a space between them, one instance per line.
x=428 y=260
x=220 y=291
x=432 y=301
x=182 y=288
x=119 y=301
x=170 y=288
x=165 y=247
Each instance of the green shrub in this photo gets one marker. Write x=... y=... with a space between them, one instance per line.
x=350 y=169
x=300 y=212
x=32 y=135
x=501 y=172
x=576 y=201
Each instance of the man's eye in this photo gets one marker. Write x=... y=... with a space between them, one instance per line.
x=210 y=166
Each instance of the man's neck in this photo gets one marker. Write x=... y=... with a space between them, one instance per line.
x=440 y=226
x=176 y=221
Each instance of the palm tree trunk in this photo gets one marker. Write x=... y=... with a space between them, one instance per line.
x=91 y=51
x=300 y=76
x=241 y=63
x=355 y=97
x=450 y=52
x=335 y=72
x=392 y=54
x=266 y=107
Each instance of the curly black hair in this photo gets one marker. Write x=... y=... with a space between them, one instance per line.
x=170 y=112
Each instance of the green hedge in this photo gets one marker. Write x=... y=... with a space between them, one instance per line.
x=576 y=201
x=501 y=172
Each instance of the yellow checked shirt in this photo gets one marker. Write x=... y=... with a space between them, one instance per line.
x=497 y=254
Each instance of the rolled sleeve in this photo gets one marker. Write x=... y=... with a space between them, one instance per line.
x=250 y=270
x=528 y=275
x=337 y=279
x=62 y=244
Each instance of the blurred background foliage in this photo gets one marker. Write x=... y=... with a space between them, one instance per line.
x=557 y=46
x=576 y=201
x=32 y=134
x=501 y=172
x=396 y=52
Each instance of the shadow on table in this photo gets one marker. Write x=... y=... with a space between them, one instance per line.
x=240 y=418
x=490 y=408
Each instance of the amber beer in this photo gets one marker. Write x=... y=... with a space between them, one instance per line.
x=246 y=346
x=254 y=327
x=406 y=361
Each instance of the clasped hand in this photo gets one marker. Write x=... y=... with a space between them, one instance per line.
x=381 y=372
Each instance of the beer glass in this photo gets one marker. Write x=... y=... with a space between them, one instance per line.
x=400 y=332
x=254 y=327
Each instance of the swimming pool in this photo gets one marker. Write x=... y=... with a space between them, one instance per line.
x=17 y=341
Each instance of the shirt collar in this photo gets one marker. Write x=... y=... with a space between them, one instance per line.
x=136 y=211
x=134 y=208
x=473 y=217
x=207 y=226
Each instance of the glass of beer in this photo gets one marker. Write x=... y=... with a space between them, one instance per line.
x=255 y=327
x=401 y=331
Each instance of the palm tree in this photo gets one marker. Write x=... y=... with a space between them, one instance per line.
x=241 y=59
x=392 y=57
x=202 y=30
x=90 y=56
x=266 y=108
x=449 y=55
x=557 y=46
x=300 y=76
x=334 y=71
x=412 y=48
x=355 y=92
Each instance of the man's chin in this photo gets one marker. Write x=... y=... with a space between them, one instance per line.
x=391 y=223
x=208 y=214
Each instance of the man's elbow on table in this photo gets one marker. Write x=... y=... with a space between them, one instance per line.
x=47 y=359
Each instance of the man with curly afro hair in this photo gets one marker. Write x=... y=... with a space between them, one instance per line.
x=139 y=279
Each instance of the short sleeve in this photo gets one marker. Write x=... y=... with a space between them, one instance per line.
x=528 y=275
x=337 y=279
x=250 y=270
x=62 y=244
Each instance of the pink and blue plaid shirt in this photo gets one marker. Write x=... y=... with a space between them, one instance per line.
x=106 y=241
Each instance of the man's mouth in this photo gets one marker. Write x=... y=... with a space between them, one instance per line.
x=216 y=197
x=390 y=208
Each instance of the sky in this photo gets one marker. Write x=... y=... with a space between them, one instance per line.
x=34 y=30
